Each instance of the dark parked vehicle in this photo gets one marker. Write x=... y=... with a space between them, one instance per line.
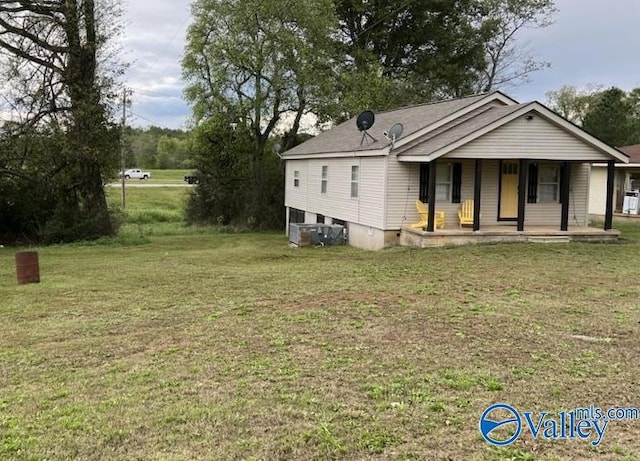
x=191 y=179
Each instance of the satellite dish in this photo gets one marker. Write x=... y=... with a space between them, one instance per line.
x=395 y=132
x=277 y=148
x=366 y=120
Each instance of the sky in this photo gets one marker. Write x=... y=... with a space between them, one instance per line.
x=591 y=42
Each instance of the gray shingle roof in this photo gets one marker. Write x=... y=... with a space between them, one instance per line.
x=347 y=138
x=461 y=130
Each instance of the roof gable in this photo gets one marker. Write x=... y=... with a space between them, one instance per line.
x=484 y=128
x=416 y=120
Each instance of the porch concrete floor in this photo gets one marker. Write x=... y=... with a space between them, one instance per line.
x=505 y=233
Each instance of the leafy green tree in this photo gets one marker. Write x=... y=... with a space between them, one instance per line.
x=421 y=51
x=610 y=117
x=156 y=147
x=248 y=63
x=634 y=101
x=571 y=102
x=54 y=57
x=426 y=49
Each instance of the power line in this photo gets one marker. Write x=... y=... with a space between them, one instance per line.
x=155 y=123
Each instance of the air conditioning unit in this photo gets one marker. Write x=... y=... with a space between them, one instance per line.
x=304 y=235
x=631 y=203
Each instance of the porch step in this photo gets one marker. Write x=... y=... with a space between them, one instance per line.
x=548 y=239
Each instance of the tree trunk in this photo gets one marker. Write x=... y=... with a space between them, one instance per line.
x=87 y=131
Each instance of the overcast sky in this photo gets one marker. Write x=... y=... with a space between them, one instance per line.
x=591 y=42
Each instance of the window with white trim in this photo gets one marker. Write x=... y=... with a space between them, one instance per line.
x=296 y=178
x=443 y=181
x=355 y=180
x=324 y=179
x=548 y=183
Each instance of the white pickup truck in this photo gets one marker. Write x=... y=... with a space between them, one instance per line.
x=136 y=173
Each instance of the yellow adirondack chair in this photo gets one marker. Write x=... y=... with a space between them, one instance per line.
x=465 y=214
x=424 y=217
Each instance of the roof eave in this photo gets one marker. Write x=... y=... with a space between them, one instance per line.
x=495 y=96
x=544 y=112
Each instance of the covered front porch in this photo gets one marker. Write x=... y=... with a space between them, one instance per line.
x=504 y=233
x=506 y=190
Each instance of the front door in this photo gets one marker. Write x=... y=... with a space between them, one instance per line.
x=509 y=190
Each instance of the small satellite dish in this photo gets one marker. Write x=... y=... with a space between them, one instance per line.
x=366 y=120
x=277 y=148
x=395 y=132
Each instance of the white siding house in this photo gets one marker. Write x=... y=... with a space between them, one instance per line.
x=533 y=168
x=626 y=178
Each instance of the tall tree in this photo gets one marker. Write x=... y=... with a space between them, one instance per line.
x=250 y=62
x=610 y=117
x=256 y=60
x=427 y=49
x=571 y=102
x=432 y=49
x=509 y=62
x=51 y=52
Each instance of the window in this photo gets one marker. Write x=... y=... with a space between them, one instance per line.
x=443 y=182
x=548 y=183
x=296 y=178
x=355 y=179
x=448 y=182
x=319 y=218
x=324 y=179
x=296 y=216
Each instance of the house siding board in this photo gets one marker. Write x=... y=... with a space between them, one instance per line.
x=337 y=203
x=296 y=197
x=532 y=139
x=579 y=195
x=490 y=193
x=403 y=181
x=403 y=190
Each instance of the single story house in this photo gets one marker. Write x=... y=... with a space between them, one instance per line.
x=626 y=178
x=521 y=169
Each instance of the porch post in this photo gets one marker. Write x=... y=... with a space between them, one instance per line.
x=522 y=192
x=608 y=216
x=431 y=212
x=565 y=181
x=476 y=195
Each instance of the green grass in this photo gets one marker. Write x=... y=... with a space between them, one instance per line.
x=205 y=345
x=149 y=206
x=168 y=176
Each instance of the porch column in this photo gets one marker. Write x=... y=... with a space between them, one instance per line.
x=476 y=195
x=431 y=212
x=608 y=216
x=565 y=187
x=522 y=192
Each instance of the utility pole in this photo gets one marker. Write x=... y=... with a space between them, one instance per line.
x=122 y=145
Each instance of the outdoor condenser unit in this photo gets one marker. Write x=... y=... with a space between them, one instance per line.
x=631 y=202
x=317 y=234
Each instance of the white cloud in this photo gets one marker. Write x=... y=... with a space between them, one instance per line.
x=592 y=41
x=154 y=42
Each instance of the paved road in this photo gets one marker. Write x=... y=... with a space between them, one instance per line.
x=138 y=183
